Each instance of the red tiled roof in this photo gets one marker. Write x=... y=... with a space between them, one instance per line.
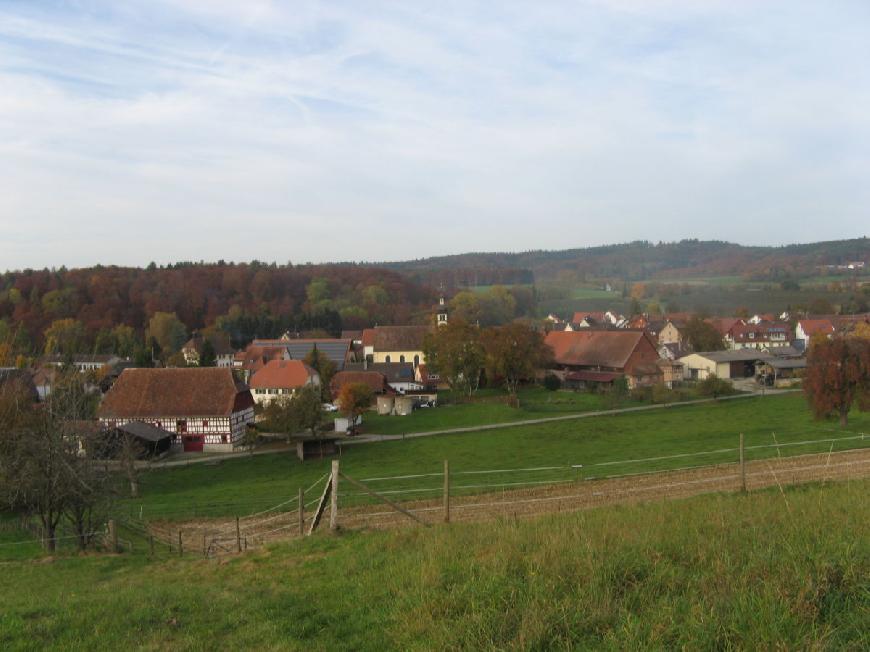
x=283 y=374
x=255 y=356
x=724 y=324
x=399 y=338
x=759 y=332
x=194 y=391
x=594 y=348
x=813 y=326
x=368 y=337
x=377 y=381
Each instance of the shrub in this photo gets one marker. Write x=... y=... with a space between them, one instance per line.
x=552 y=382
x=713 y=386
x=662 y=394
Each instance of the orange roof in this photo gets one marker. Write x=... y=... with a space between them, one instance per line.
x=595 y=348
x=193 y=391
x=282 y=374
x=814 y=326
x=368 y=337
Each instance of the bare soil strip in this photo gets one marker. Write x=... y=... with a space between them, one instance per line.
x=219 y=537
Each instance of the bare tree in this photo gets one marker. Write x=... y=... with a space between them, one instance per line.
x=47 y=458
x=130 y=450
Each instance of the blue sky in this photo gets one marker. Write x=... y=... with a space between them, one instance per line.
x=205 y=129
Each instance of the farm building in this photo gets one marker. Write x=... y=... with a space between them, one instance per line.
x=281 y=379
x=401 y=376
x=150 y=441
x=205 y=408
x=220 y=343
x=729 y=365
x=374 y=379
x=337 y=350
x=593 y=357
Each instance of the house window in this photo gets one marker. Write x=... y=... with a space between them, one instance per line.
x=416 y=360
x=181 y=426
x=401 y=358
x=387 y=359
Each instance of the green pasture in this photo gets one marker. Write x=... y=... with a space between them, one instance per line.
x=772 y=570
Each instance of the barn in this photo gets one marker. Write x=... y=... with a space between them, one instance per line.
x=205 y=408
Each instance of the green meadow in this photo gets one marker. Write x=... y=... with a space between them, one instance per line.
x=771 y=570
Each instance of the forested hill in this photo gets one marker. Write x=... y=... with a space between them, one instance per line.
x=245 y=300
x=636 y=261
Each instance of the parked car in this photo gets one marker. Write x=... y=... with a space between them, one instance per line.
x=330 y=407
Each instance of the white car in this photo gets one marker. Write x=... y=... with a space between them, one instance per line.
x=329 y=407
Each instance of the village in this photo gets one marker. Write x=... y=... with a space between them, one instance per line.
x=219 y=401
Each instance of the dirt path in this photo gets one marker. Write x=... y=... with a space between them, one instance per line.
x=217 y=537
x=632 y=489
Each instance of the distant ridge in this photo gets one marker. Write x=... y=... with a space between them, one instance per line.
x=643 y=260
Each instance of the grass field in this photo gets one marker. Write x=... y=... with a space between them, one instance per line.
x=246 y=485
x=766 y=571
x=535 y=403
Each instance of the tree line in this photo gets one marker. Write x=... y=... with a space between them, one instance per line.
x=104 y=309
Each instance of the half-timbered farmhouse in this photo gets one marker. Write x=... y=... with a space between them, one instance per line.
x=205 y=408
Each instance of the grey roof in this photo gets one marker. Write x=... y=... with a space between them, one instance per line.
x=739 y=355
x=793 y=363
x=395 y=372
x=145 y=431
x=785 y=351
x=334 y=349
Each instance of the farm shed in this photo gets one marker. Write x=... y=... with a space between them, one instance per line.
x=729 y=365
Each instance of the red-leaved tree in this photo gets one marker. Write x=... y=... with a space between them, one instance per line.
x=838 y=376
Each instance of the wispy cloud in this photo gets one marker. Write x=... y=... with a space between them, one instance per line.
x=315 y=131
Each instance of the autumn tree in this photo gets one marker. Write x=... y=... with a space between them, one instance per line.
x=325 y=368
x=455 y=352
x=47 y=465
x=353 y=400
x=700 y=335
x=64 y=337
x=838 y=376
x=307 y=409
x=465 y=306
x=207 y=357
x=514 y=353
x=167 y=330
x=125 y=340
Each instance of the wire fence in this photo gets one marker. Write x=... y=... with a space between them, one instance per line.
x=474 y=493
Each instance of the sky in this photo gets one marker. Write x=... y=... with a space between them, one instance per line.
x=299 y=131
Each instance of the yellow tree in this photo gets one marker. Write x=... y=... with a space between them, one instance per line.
x=64 y=337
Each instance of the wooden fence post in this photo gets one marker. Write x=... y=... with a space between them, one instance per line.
x=180 y=545
x=151 y=544
x=113 y=535
x=301 y=510
x=446 y=491
x=238 y=536
x=333 y=499
x=204 y=549
x=742 y=466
